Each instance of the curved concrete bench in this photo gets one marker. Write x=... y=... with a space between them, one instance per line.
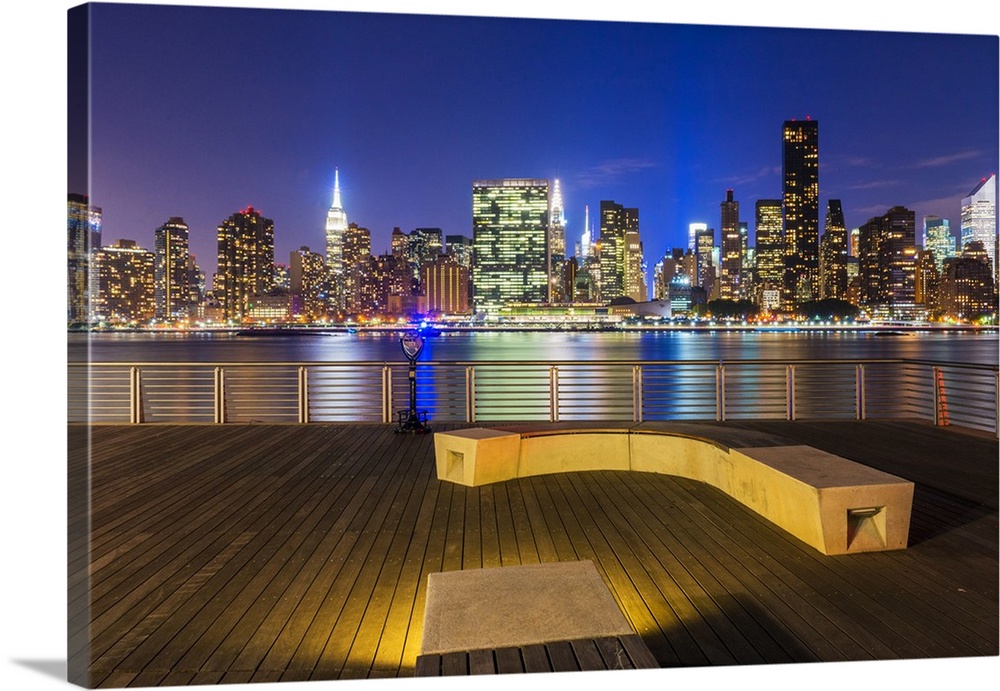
x=834 y=504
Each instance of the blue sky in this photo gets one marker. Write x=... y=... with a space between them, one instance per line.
x=199 y=112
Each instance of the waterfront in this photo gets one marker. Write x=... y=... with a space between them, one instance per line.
x=952 y=346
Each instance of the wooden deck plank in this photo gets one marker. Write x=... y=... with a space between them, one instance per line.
x=509 y=661
x=403 y=511
x=221 y=547
x=535 y=658
x=279 y=640
x=679 y=589
x=671 y=546
x=718 y=571
x=873 y=621
x=347 y=598
x=615 y=574
x=317 y=547
x=253 y=600
x=227 y=578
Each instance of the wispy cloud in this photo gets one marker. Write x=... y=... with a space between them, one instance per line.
x=874 y=185
x=939 y=161
x=765 y=173
x=611 y=172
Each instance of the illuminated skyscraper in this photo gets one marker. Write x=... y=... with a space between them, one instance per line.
x=888 y=259
x=616 y=222
x=510 y=225
x=124 y=282
x=446 y=286
x=704 y=246
x=635 y=267
x=586 y=239
x=356 y=247
x=336 y=225
x=833 y=253
x=979 y=217
x=459 y=247
x=172 y=275
x=307 y=283
x=557 y=245
x=83 y=237
x=800 y=199
x=245 y=261
x=731 y=261
x=938 y=239
x=968 y=288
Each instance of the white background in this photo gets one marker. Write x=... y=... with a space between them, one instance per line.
x=33 y=448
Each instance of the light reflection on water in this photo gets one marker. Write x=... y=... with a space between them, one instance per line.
x=584 y=388
x=980 y=348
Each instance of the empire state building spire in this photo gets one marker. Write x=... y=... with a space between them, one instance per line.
x=336 y=224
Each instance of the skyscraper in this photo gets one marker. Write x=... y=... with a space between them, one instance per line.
x=800 y=200
x=356 y=247
x=307 y=283
x=833 y=253
x=616 y=222
x=83 y=236
x=731 y=262
x=968 y=288
x=172 y=275
x=510 y=226
x=123 y=277
x=635 y=267
x=938 y=239
x=557 y=244
x=887 y=268
x=979 y=217
x=704 y=244
x=336 y=225
x=245 y=261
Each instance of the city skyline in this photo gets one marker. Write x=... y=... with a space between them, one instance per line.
x=409 y=126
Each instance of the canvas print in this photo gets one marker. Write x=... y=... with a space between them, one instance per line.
x=409 y=346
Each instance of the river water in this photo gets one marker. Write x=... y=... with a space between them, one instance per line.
x=953 y=347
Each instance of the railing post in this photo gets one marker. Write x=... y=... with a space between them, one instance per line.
x=386 y=394
x=553 y=394
x=470 y=393
x=220 y=395
x=637 y=393
x=720 y=392
x=303 y=395
x=790 y=392
x=859 y=386
x=135 y=415
x=996 y=404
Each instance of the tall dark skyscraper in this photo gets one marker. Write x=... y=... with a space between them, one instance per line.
x=731 y=261
x=833 y=253
x=800 y=200
x=617 y=222
x=887 y=254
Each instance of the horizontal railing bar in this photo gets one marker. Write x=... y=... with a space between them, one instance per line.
x=546 y=363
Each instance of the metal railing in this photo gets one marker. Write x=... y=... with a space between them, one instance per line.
x=304 y=392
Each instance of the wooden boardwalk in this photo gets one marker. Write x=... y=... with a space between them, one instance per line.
x=263 y=553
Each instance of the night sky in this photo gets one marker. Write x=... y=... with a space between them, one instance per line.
x=200 y=112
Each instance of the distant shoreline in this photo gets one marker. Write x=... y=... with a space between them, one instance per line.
x=672 y=328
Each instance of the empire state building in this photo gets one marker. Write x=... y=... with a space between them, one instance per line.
x=336 y=224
